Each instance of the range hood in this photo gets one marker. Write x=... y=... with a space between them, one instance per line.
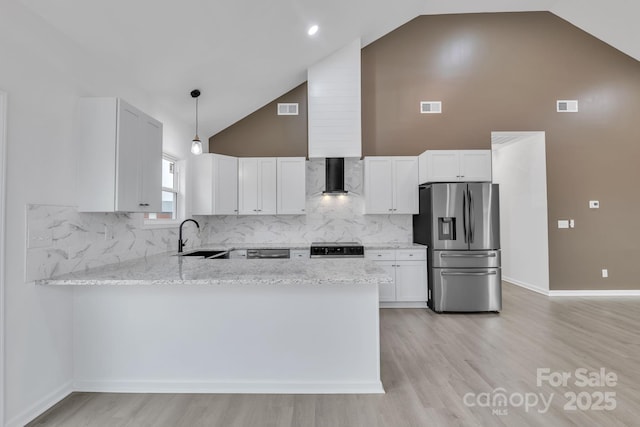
x=334 y=176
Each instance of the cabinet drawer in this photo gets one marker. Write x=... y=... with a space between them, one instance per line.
x=299 y=254
x=411 y=254
x=387 y=255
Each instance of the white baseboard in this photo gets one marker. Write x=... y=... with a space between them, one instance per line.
x=41 y=406
x=576 y=293
x=596 y=293
x=228 y=387
x=417 y=304
x=526 y=285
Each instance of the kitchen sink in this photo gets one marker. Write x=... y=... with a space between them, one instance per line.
x=209 y=254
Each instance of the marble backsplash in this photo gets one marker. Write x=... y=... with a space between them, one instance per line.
x=61 y=240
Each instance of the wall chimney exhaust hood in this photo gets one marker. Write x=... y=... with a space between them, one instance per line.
x=333 y=104
x=334 y=176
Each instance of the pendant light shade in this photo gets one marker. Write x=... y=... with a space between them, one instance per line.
x=196 y=144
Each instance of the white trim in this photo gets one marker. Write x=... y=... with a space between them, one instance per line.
x=596 y=293
x=41 y=406
x=525 y=285
x=405 y=304
x=600 y=293
x=3 y=178
x=231 y=387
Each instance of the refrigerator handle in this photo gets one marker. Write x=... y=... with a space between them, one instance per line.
x=464 y=215
x=471 y=217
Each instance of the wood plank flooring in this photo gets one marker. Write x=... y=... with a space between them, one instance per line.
x=430 y=362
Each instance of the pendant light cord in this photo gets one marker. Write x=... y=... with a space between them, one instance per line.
x=196 y=116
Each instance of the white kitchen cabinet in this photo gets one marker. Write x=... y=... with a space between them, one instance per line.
x=455 y=166
x=257 y=185
x=120 y=157
x=213 y=184
x=299 y=254
x=391 y=185
x=291 y=185
x=408 y=268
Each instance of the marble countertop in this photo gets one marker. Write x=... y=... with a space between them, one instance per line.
x=293 y=246
x=170 y=269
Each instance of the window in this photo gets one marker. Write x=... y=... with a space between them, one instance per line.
x=169 y=193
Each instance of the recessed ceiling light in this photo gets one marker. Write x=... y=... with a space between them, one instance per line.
x=312 y=30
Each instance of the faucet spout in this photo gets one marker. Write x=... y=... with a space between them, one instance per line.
x=181 y=242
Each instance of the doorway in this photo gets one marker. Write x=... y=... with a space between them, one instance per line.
x=520 y=168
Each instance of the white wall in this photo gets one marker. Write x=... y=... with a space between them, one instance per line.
x=44 y=74
x=519 y=167
x=3 y=103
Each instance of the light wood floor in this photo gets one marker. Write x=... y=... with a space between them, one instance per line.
x=429 y=363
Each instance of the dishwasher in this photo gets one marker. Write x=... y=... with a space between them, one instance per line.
x=268 y=254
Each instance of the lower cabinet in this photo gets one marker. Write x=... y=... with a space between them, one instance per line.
x=408 y=268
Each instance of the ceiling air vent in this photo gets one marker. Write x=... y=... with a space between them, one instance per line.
x=289 y=109
x=430 y=107
x=567 y=106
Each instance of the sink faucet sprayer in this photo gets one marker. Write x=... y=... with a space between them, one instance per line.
x=181 y=243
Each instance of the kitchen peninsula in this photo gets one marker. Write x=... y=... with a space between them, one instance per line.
x=168 y=323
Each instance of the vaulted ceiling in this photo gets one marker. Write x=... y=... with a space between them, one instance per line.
x=244 y=53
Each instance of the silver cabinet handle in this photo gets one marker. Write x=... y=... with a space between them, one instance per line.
x=484 y=273
x=492 y=255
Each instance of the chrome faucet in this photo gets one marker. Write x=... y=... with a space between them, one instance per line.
x=181 y=242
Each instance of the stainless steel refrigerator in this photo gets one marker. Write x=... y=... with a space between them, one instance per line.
x=460 y=223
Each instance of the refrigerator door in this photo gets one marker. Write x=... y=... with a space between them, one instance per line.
x=449 y=217
x=466 y=289
x=466 y=259
x=484 y=216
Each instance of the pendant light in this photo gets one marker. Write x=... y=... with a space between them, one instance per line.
x=196 y=144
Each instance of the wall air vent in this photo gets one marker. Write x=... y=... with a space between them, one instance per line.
x=288 y=109
x=430 y=107
x=567 y=106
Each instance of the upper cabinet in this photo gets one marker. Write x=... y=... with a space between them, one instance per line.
x=257 y=178
x=455 y=166
x=334 y=106
x=120 y=157
x=214 y=184
x=291 y=192
x=391 y=185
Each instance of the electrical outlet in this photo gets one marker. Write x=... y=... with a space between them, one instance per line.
x=572 y=224
x=605 y=273
x=594 y=204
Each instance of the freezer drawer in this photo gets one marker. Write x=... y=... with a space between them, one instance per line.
x=470 y=289
x=466 y=259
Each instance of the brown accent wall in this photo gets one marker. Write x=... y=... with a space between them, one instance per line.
x=504 y=72
x=264 y=133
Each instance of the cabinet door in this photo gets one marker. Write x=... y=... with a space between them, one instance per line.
x=387 y=291
x=405 y=185
x=150 y=165
x=411 y=280
x=378 y=185
x=267 y=186
x=201 y=184
x=248 y=186
x=475 y=165
x=443 y=166
x=291 y=191
x=225 y=190
x=128 y=153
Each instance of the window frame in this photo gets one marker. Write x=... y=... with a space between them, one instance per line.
x=169 y=223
